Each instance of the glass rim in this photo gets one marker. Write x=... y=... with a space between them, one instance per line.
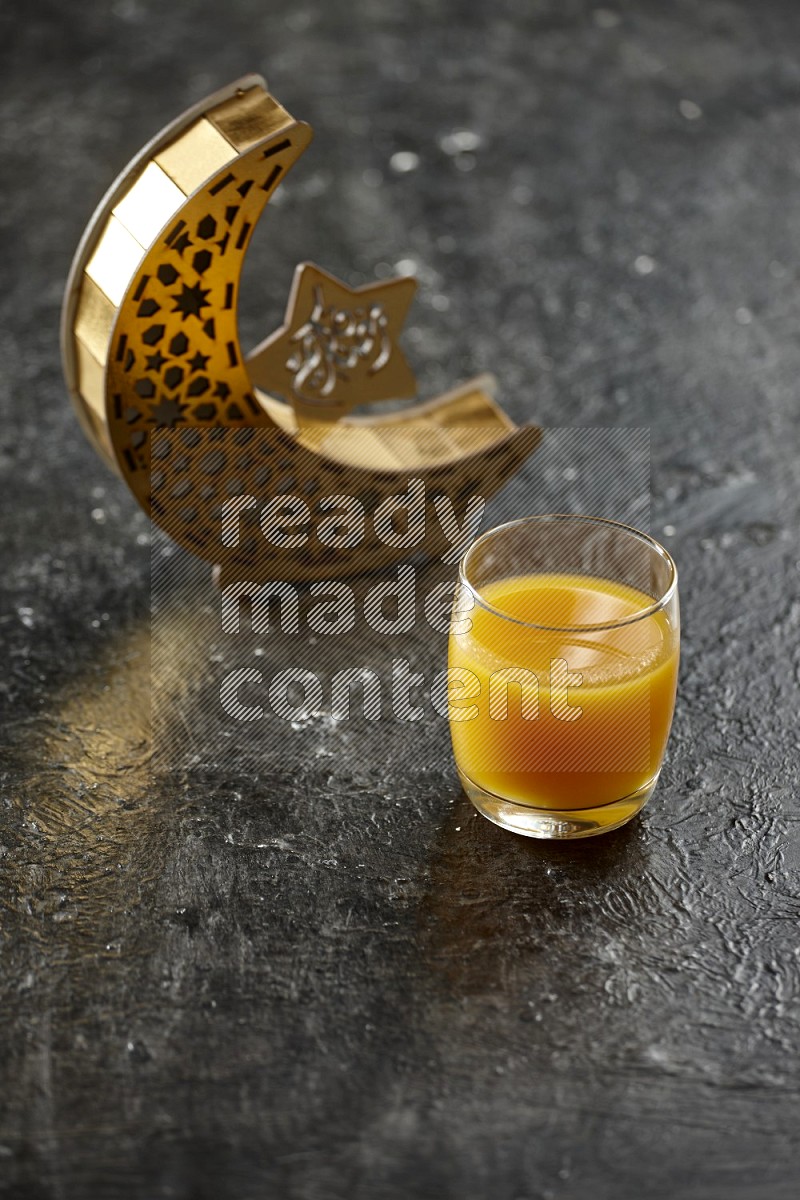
x=579 y=518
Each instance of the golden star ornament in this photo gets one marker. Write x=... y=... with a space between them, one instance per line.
x=338 y=346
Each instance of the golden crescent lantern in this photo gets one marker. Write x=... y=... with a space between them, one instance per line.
x=167 y=397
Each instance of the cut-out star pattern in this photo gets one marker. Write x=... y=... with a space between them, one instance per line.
x=182 y=243
x=191 y=301
x=167 y=412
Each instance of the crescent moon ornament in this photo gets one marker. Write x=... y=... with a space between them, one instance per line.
x=167 y=397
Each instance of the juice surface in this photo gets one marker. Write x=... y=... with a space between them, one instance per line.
x=588 y=725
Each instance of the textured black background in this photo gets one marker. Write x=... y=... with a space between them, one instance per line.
x=329 y=978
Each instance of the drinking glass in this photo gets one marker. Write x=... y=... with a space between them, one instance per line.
x=563 y=665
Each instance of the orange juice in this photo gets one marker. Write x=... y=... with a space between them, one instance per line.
x=564 y=698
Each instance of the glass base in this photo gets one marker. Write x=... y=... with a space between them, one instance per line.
x=556 y=824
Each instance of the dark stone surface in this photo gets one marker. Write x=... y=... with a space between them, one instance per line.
x=315 y=973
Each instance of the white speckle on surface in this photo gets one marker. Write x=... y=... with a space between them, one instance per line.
x=405 y=72
x=460 y=141
x=669 y=531
x=98 y=492
x=643 y=264
x=143 y=539
x=606 y=18
x=628 y=188
x=98 y=514
x=128 y=10
x=316 y=184
x=570 y=474
x=298 y=20
x=407 y=266
x=25 y=615
x=404 y=161
x=744 y=316
x=690 y=110
x=440 y=303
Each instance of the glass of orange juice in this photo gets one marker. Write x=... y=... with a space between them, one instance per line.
x=563 y=666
